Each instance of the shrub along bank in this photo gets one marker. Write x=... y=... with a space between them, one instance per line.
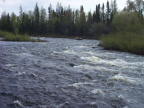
x=7 y=36
x=127 y=42
x=128 y=35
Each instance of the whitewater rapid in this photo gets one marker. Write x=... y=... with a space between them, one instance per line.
x=70 y=73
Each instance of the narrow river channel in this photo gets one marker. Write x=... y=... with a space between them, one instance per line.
x=68 y=73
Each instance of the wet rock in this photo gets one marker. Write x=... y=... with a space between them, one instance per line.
x=88 y=76
x=29 y=103
x=71 y=64
x=94 y=47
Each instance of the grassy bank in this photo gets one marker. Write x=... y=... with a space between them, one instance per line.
x=127 y=42
x=11 y=37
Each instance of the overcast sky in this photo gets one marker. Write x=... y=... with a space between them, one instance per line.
x=14 y=5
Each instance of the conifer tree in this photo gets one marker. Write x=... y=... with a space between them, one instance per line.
x=14 y=23
x=103 y=13
x=43 y=21
x=9 y=27
x=36 y=17
x=108 y=13
x=82 y=22
x=21 y=13
x=98 y=13
x=3 y=22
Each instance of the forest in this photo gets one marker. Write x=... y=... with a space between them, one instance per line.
x=65 y=21
x=62 y=21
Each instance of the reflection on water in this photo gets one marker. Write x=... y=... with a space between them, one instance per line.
x=66 y=73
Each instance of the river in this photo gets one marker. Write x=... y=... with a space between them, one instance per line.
x=68 y=73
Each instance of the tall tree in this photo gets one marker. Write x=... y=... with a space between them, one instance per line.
x=9 y=26
x=67 y=21
x=114 y=6
x=50 y=12
x=3 y=23
x=21 y=17
x=103 y=13
x=32 y=21
x=82 y=22
x=108 y=13
x=98 y=13
x=76 y=20
x=37 y=17
x=130 y=6
x=89 y=19
x=43 y=21
x=14 y=23
x=21 y=13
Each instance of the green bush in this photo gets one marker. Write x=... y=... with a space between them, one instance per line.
x=128 y=42
x=127 y=22
x=11 y=37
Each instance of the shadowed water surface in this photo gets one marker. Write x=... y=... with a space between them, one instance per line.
x=67 y=73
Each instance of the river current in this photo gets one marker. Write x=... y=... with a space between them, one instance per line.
x=67 y=73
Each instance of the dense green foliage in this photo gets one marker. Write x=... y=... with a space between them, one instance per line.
x=8 y=36
x=128 y=34
x=11 y=37
x=60 y=21
x=128 y=42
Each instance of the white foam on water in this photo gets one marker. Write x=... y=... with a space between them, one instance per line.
x=43 y=79
x=18 y=104
x=137 y=63
x=90 y=52
x=20 y=74
x=23 y=54
x=116 y=62
x=98 y=91
x=10 y=65
x=92 y=58
x=23 y=48
x=70 y=52
x=55 y=52
x=32 y=74
x=125 y=78
x=81 y=46
x=83 y=67
x=77 y=85
x=24 y=73
x=125 y=107
x=98 y=68
x=121 y=97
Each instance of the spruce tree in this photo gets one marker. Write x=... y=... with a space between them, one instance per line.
x=103 y=13
x=82 y=22
x=108 y=13
x=36 y=17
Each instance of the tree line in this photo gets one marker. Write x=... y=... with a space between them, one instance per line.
x=67 y=21
x=61 y=21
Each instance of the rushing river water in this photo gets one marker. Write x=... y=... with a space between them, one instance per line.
x=67 y=73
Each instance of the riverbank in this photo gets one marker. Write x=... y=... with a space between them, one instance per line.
x=126 y=42
x=7 y=36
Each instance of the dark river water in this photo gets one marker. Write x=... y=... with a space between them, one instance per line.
x=67 y=73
